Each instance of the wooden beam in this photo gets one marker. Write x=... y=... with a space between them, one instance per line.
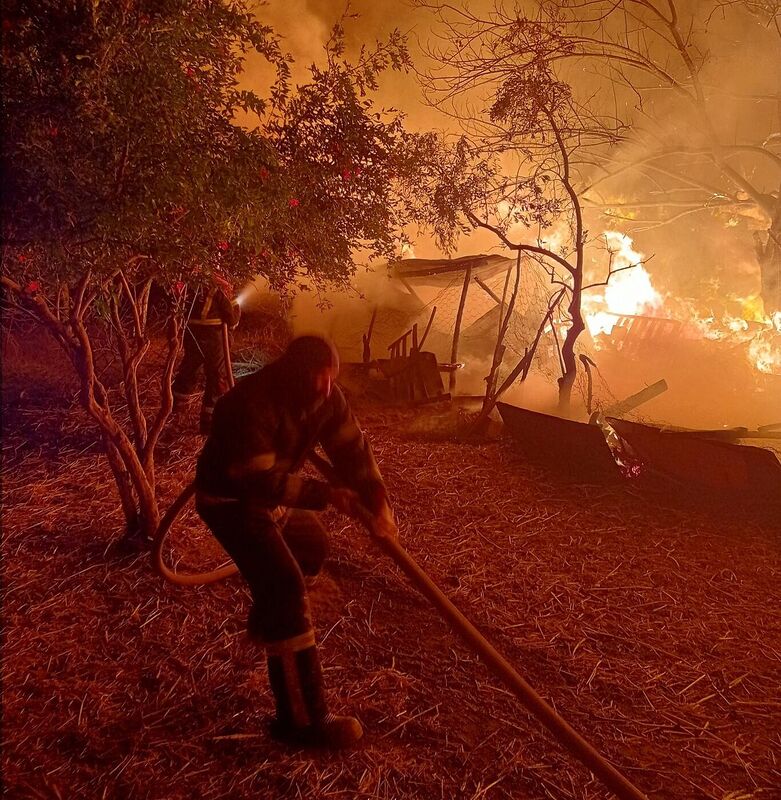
x=637 y=399
x=457 y=329
x=428 y=327
x=367 y=339
x=487 y=289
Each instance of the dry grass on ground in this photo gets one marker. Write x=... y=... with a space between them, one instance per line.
x=654 y=630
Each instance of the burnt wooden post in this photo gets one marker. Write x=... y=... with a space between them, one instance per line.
x=428 y=327
x=367 y=339
x=457 y=330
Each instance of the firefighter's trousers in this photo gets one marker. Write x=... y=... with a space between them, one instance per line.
x=204 y=347
x=273 y=554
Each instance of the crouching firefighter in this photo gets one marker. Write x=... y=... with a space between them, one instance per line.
x=262 y=512
x=212 y=314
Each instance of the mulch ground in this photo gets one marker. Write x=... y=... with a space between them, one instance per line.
x=653 y=627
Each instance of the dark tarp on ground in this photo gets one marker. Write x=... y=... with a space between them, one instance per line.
x=571 y=448
x=706 y=463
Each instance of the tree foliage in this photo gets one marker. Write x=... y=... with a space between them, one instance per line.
x=136 y=162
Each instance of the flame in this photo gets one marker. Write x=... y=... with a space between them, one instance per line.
x=765 y=353
x=754 y=329
x=753 y=309
x=628 y=292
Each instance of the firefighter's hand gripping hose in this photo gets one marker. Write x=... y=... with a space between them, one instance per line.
x=384 y=535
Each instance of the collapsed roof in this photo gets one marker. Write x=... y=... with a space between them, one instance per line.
x=442 y=271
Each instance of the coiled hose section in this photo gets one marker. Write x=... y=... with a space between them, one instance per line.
x=158 y=541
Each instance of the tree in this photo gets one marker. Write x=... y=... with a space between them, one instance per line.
x=703 y=83
x=693 y=89
x=529 y=135
x=662 y=111
x=128 y=180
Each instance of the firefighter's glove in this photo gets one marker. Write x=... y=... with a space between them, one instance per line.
x=384 y=525
x=347 y=501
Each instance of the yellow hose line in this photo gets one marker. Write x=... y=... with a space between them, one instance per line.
x=158 y=563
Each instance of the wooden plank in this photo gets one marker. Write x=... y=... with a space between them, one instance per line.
x=457 y=329
x=637 y=399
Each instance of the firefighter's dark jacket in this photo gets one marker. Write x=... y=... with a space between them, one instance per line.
x=213 y=307
x=260 y=436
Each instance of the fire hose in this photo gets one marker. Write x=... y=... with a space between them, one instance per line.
x=161 y=568
x=561 y=730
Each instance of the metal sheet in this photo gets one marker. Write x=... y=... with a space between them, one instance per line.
x=708 y=463
x=442 y=271
x=572 y=448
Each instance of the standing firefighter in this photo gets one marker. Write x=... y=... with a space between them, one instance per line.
x=212 y=314
x=249 y=495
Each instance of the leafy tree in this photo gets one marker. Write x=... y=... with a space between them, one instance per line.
x=128 y=180
x=527 y=136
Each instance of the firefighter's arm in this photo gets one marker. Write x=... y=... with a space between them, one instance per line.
x=228 y=310
x=235 y=314
x=351 y=455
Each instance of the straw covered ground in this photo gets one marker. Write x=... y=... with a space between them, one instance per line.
x=653 y=627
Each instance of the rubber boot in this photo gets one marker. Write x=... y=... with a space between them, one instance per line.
x=296 y=682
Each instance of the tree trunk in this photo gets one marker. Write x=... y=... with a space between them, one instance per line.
x=130 y=457
x=769 y=258
x=567 y=380
x=127 y=497
x=142 y=515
